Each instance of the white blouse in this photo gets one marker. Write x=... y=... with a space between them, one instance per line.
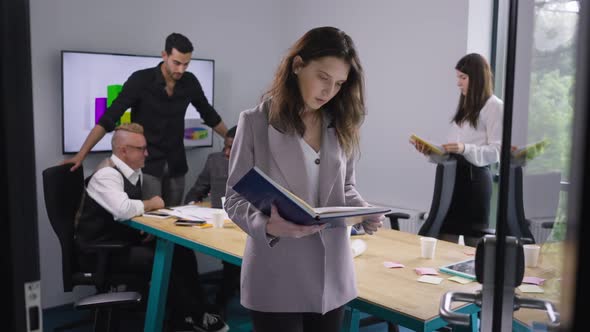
x=311 y=161
x=107 y=188
x=482 y=144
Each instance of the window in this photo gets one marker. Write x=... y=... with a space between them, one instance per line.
x=551 y=83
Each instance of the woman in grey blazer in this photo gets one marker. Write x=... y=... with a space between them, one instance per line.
x=305 y=136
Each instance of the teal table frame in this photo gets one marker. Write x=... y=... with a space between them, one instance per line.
x=161 y=271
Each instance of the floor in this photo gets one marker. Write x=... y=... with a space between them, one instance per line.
x=236 y=317
x=236 y=314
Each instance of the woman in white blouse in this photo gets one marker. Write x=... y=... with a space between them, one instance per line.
x=474 y=140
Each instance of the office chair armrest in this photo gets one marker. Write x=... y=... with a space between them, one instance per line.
x=104 y=247
x=394 y=218
x=398 y=215
x=108 y=300
x=488 y=231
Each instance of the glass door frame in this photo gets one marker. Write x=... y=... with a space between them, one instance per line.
x=574 y=291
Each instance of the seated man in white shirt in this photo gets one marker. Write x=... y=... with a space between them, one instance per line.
x=113 y=194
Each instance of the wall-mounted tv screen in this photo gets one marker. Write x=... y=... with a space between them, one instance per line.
x=91 y=81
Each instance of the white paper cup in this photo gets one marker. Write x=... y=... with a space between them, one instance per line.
x=218 y=219
x=358 y=246
x=531 y=254
x=428 y=247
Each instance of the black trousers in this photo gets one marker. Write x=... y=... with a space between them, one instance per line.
x=470 y=207
x=230 y=284
x=297 y=322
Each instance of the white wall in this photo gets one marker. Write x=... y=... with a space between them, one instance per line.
x=408 y=50
x=479 y=30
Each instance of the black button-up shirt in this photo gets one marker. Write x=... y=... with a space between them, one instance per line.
x=161 y=116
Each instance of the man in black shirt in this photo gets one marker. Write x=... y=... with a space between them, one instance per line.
x=158 y=98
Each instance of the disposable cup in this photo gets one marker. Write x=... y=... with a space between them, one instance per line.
x=531 y=254
x=428 y=247
x=218 y=219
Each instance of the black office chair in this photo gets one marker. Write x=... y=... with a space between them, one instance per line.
x=544 y=189
x=444 y=185
x=518 y=225
x=394 y=218
x=63 y=191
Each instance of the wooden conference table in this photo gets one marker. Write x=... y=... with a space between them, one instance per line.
x=391 y=294
x=549 y=268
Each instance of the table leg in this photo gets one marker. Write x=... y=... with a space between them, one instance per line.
x=352 y=318
x=472 y=325
x=156 y=308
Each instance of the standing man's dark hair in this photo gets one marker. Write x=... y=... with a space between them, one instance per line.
x=179 y=42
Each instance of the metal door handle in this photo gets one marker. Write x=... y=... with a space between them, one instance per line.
x=455 y=317
x=525 y=302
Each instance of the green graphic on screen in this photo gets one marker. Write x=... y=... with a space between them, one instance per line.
x=101 y=104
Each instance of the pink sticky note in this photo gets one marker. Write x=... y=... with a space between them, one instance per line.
x=533 y=280
x=425 y=270
x=391 y=265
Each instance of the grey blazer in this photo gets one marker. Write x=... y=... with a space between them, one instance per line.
x=213 y=179
x=310 y=274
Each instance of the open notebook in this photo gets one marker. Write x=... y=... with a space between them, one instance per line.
x=262 y=191
x=531 y=151
x=437 y=149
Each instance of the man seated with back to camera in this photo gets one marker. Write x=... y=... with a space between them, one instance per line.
x=113 y=193
x=212 y=180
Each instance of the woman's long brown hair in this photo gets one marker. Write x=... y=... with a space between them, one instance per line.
x=479 y=90
x=346 y=108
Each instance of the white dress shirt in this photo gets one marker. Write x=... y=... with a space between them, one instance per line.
x=482 y=144
x=107 y=188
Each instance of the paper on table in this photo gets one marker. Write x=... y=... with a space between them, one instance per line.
x=196 y=212
x=530 y=289
x=157 y=214
x=391 y=265
x=430 y=280
x=533 y=280
x=425 y=270
x=167 y=213
x=460 y=280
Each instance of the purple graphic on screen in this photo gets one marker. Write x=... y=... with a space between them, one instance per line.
x=100 y=106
